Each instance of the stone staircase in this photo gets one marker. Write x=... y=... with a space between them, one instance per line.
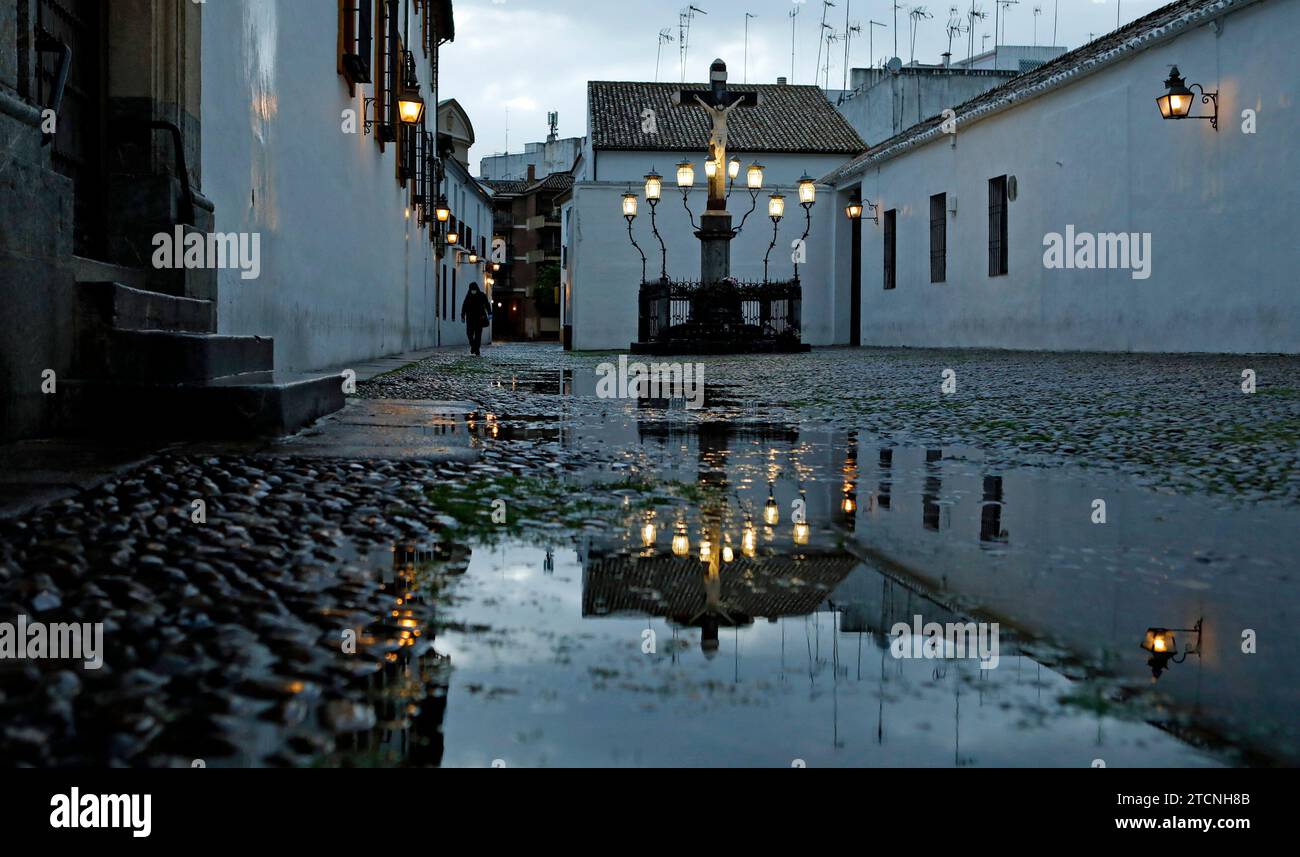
x=151 y=366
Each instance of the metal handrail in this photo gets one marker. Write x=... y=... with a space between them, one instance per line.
x=187 y=192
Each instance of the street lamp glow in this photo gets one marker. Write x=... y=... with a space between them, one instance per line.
x=807 y=190
x=654 y=185
x=681 y=542
x=649 y=533
x=711 y=168
x=802 y=533
x=685 y=174
x=473 y=258
x=776 y=206
x=755 y=176
x=733 y=168
x=442 y=212
x=771 y=512
x=854 y=210
x=629 y=205
x=453 y=238
x=1176 y=103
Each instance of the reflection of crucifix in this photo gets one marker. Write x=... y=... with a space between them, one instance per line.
x=719 y=102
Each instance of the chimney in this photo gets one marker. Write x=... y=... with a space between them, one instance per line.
x=532 y=173
x=781 y=81
x=947 y=58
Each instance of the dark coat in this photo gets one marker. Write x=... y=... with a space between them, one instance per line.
x=475 y=310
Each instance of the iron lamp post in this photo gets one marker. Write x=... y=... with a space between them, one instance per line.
x=807 y=199
x=776 y=211
x=654 y=187
x=754 y=180
x=629 y=214
x=685 y=181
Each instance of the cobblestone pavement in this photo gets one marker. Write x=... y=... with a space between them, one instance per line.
x=318 y=610
x=1179 y=423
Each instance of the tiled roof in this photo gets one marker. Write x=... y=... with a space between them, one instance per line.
x=790 y=119
x=555 y=181
x=519 y=187
x=1160 y=26
x=512 y=187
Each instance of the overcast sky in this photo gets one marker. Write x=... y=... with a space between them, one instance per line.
x=529 y=57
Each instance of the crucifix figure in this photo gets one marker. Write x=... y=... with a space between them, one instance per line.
x=718 y=101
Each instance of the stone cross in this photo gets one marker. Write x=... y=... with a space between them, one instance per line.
x=719 y=102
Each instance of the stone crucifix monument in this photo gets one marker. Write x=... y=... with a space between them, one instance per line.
x=715 y=232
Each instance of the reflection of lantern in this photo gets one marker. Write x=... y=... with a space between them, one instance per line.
x=850 y=506
x=728 y=555
x=771 y=512
x=649 y=533
x=681 y=542
x=802 y=533
x=1160 y=641
x=706 y=550
x=749 y=540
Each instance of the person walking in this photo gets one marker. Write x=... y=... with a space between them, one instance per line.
x=475 y=311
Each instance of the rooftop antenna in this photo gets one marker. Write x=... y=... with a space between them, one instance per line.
x=553 y=119
x=1003 y=6
x=1119 y=5
x=665 y=36
x=826 y=7
x=896 y=5
x=684 y=20
x=507 y=130
x=918 y=13
x=955 y=26
x=871 y=40
x=831 y=38
x=1038 y=10
x=1056 y=13
x=794 y=27
x=748 y=15
x=975 y=14
x=849 y=30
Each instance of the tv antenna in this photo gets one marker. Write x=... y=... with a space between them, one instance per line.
x=684 y=20
x=849 y=30
x=1003 y=5
x=831 y=38
x=1038 y=10
x=975 y=14
x=665 y=37
x=955 y=26
x=827 y=5
x=871 y=40
x=918 y=13
x=794 y=28
x=748 y=15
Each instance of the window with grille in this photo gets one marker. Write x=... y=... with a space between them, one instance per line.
x=998 y=226
x=356 y=40
x=938 y=237
x=891 y=248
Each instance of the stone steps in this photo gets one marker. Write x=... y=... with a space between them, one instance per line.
x=169 y=357
x=114 y=305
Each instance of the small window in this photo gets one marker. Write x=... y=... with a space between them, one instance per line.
x=356 y=40
x=938 y=237
x=891 y=248
x=998 y=226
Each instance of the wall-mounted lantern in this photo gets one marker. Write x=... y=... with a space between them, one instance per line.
x=681 y=541
x=856 y=209
x=453 y=238
x=771 y=511
x=1162 y=645
x=443 y=212
x=473 y=258
x=1176 y=103
x=410 y=106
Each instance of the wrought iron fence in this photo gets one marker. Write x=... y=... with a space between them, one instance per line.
x=723 y=316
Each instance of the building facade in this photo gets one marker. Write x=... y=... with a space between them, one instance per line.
x=1062 y=212
x=555 y=155
x=527 y=289
x=637 y=127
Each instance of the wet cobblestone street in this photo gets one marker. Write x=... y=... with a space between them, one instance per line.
x=472 y=581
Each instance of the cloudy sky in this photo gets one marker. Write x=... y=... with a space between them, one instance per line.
x=523 y=58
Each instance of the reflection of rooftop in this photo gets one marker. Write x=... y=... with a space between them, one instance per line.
x=767 y=587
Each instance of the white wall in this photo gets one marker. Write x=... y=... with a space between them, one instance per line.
x=346 y=275
x=607 y=269
x=1096 y=154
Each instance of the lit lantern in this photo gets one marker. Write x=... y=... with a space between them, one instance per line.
x=453 y=238
x=733 y=169
x=473 y=258
x=802 y=533
x=1176 y=103
x=629 y=206
x=711 y=168
x=654 y=185
x=1160 y=641
x=807 y=190
x=854 y=209
x=849 y=505
x=496 y=266
x=755 y=176
x=685 y=174
x=776 y=206
x=410 y=107
x=771 y=512
x=442 y=212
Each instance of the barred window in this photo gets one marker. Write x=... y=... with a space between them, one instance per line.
x=998 y=226
x=891 y=248
x=939 y=238
x=356 y=40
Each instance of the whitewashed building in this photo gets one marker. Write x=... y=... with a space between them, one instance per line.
x=1181 y=236
x=636 y=127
